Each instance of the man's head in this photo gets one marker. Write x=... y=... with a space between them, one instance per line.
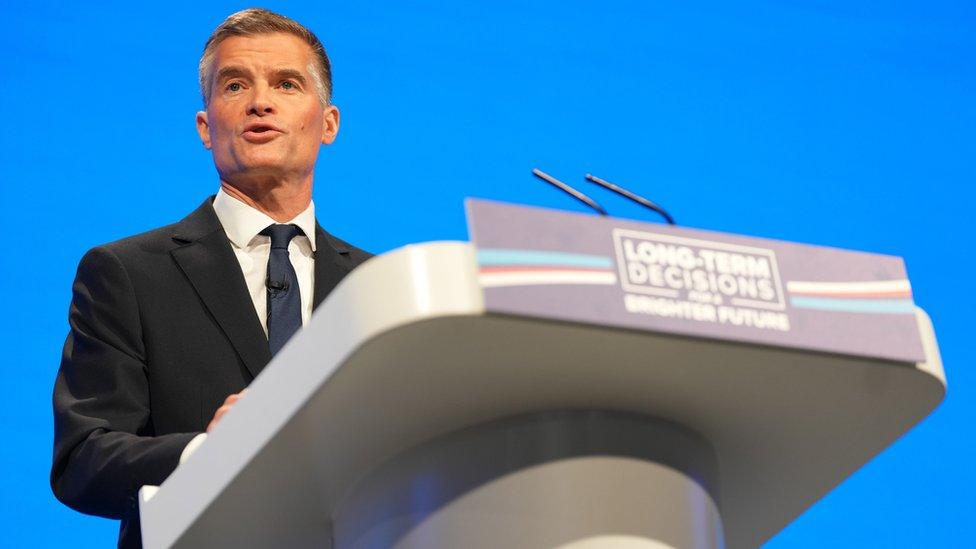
x=254 y=21
x=266 y=83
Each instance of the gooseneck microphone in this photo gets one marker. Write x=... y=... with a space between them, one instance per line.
x=569 y=190
x=632 y=196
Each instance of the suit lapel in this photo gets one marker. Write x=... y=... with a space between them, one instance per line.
x=331 y=265
x=215 y=273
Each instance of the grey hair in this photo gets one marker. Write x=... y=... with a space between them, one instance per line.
x=254 y=21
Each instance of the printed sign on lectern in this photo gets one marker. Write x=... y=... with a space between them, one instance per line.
x=582 y=268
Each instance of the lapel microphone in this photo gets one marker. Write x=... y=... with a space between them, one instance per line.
x=276 y=287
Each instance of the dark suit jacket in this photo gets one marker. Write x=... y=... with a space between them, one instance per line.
x=162 y=330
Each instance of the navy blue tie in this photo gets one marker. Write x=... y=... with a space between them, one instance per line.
x=284 y=297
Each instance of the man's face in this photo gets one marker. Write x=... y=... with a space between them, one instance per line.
x=265 y=122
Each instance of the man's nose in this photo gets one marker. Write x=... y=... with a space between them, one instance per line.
x=261 y=101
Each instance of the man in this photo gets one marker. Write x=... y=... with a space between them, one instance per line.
x=170 y=326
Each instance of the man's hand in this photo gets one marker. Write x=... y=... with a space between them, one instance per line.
x=224 y=408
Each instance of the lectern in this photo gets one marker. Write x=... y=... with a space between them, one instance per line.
x=564 y=381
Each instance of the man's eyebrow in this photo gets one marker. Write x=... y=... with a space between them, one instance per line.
x=232 y=71
x=235 y=71
x=283 y=74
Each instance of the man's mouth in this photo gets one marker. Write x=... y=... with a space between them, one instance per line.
x=260 y=132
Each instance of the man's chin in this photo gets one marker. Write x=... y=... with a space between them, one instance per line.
x=261 y=164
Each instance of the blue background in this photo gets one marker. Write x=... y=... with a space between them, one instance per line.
x=837 y=123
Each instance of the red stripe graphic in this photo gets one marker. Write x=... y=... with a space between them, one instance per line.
x=530 y=269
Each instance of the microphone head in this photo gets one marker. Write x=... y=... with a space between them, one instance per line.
x=277 y=286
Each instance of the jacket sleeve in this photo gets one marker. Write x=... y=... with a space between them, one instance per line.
x=105 y=448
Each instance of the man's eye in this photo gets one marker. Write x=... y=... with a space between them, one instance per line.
x=288 y=85
x=234 y=87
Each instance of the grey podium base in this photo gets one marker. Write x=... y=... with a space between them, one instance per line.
x=574 y=479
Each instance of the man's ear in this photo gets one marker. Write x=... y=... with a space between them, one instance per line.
x=330 y=124
x=203 y=128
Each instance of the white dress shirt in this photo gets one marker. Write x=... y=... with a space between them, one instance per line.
x=242 y=223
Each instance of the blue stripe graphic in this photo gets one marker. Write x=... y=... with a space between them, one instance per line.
x=898 y=306
x=501 y=256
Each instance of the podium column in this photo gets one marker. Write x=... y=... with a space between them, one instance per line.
x=571 y=479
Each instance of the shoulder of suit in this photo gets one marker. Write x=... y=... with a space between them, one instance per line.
x=162 y=240
x=155 y=240
x=358 y=255
x=352 y=250
x=142 y=256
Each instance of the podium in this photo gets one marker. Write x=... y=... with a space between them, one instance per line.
x=419 y=409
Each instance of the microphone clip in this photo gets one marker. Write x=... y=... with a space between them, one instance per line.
x=276 y=287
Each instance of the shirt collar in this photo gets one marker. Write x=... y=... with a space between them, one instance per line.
x=242 y=222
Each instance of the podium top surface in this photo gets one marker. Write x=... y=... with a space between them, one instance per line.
x=404 y=350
